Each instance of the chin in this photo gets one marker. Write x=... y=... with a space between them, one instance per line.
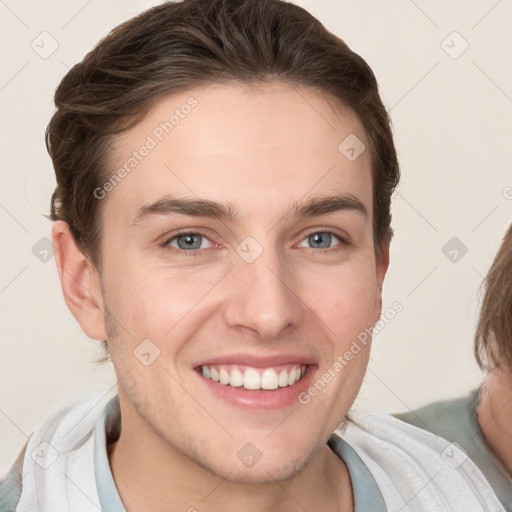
x=261 y=471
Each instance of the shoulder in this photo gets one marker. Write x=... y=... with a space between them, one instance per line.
x=10 y=488
x=445 y=410
x=69 y=437
x=415 y=469
x=444 y=417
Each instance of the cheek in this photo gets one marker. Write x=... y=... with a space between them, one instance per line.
x=151 y=303
x=343 y=298
x=155 y=303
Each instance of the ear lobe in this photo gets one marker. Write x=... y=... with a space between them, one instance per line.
x=80 y=282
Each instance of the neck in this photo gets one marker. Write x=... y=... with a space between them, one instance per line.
x=150 y=474
x=494 y=414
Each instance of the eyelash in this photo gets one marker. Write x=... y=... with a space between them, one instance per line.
x=196 y=252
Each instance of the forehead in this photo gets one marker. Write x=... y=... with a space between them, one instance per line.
x=258 y=147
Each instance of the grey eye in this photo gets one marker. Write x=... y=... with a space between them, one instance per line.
x=320 y=240
x=188 y=241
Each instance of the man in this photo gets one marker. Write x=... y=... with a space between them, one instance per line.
x=481 y=421
x=222 y=222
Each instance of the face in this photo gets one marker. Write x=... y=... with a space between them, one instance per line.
x=238 y=264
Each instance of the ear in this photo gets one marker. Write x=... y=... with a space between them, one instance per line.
x=80 y=282
x=382 y=264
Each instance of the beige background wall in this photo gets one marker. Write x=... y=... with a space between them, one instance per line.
x=452 y=114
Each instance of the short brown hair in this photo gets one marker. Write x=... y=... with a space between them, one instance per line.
x=493 y=338
x=179 y=45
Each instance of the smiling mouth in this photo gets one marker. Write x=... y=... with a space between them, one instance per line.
x=251 y=378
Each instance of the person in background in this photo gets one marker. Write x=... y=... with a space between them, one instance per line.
x=481 y=422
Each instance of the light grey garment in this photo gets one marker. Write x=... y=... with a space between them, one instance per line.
x=367 y=496
x=455 y=420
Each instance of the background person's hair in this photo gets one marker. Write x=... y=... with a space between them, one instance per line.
x=493 y=337
x=176 y=46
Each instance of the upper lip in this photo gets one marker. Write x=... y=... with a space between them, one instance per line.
x=257 y=361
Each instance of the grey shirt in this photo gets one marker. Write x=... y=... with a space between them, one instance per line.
x=456 y=421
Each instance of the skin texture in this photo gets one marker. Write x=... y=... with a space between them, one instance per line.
x=494 y=414
x=261 y=149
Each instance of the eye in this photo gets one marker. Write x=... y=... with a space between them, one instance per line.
x=322 y=240
x=188 y=242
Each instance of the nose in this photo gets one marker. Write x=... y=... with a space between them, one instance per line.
x=264 y=299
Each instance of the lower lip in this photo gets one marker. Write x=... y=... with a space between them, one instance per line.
x=260 y=399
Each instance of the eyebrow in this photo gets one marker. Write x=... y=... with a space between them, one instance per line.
x=316 y=206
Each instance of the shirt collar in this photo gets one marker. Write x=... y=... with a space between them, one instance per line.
x=366 y=493
x=107 y=430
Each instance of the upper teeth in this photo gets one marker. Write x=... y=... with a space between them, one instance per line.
x=253 y=378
